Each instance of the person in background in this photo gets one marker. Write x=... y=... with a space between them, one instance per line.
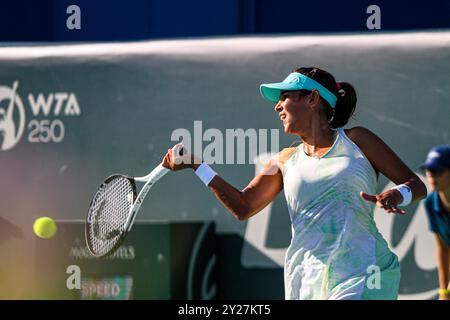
x=437 y=204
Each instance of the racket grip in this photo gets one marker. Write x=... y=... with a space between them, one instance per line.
x=155 y=175
x=179 y=150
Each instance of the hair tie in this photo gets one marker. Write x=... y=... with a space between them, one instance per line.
x=340 y=91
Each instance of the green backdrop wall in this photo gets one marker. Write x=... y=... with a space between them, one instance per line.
x=112 y=107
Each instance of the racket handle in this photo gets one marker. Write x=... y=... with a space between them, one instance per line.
x=160 y=171
x=155 y=175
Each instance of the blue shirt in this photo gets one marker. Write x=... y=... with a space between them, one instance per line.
x=438 y=217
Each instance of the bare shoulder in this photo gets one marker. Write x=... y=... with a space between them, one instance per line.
x=357 y=132
x=362 y=136
x=283 y=156
x=369 y=143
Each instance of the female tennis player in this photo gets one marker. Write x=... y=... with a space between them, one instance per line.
x=329 y=181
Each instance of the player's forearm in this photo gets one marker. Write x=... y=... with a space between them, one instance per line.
x=232 y=198
x=418 y=188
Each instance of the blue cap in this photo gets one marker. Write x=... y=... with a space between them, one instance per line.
x=438 y=158
x=296 y=81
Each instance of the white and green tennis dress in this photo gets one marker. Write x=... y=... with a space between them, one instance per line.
x=336 y=251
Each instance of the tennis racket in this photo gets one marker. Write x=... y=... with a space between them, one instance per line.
x=114 y=206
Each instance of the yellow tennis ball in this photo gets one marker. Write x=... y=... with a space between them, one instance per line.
x=44 y=227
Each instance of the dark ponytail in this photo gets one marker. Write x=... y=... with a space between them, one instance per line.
x=346 y=94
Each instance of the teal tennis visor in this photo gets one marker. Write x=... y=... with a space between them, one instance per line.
x=295 y=81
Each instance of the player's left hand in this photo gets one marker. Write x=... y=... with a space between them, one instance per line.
x=388 y=200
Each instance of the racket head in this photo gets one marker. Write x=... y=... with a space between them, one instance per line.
x=108 y=213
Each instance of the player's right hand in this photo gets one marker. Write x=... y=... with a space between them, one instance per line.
x=176 y=160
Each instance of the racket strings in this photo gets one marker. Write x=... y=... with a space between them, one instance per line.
x=109 y=211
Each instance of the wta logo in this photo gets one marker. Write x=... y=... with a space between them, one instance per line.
x=45 y=110
x=12 y=117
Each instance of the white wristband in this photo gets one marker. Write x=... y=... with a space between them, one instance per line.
x=205 y=173
x=405 y=192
